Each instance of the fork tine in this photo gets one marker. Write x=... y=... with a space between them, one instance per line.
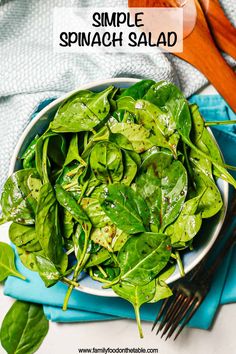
x=160 y=312
x=188 y=304
x=175 y=303
x=188 y=318
x=176 y=308
x=166 y=314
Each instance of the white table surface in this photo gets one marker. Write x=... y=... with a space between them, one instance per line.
x=68 y=338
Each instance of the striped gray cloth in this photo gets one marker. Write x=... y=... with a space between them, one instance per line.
x=31 y=72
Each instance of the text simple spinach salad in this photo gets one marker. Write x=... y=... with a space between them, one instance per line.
x=116 y=187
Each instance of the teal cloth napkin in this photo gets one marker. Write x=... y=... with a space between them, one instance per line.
x=85 y=307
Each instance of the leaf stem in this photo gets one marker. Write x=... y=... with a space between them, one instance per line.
x=222 y=122
x=102 y=271
x=137 y=315
x=180 y=264
x=111 y=283
x=229 y=167
x=79 y=266
x=97 y=278
x=70 y=282
x=18 y=275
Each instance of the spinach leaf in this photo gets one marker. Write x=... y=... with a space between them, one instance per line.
x=162 y=181
x=7 y=265
x=211 y=200
x=25 y=237
x=47 y=225
x=24 y=328
x=130 y=169
x=187 y=225
x=205 y=138
x=83 y=112
x=106 y=162
x=69 y=203
x=172 y=102
x=69 y=179
x=98 y=258
x=28 y=258
x=137 y=295
x=126 y=208
x=160 y=124
x=137 y=135
x=19 y=197
x=28 y=156
x=41 y=155
x=95 y=212
x=138 y=90
x=120 y=140
x=68 y=224
x=119 y=240
x=47 y=270
x=57 y=149
x=126 y=104
x=104 y=236
x=73 y=152
x=143 y=257
x=162 y=290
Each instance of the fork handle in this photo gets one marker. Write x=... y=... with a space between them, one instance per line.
x=208 y=274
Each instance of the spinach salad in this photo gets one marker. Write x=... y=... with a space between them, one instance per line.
x=116 y=187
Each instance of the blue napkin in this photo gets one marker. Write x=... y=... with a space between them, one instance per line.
x=85 y=307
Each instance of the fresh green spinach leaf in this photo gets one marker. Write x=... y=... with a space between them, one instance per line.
x=126 y=208
x=7 y=265
x=143 y=257
x=24 y=328
x=83 y=112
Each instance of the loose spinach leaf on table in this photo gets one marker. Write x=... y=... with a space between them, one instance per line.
x=23 y=328
x=126 y=208
x=7 y=265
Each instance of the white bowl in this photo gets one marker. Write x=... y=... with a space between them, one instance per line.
x=209 y=231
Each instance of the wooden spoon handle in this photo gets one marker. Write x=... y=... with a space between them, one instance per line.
x=218 y=72
x=223 y=31
x=201 y=51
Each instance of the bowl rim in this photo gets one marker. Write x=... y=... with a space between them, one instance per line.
x=92 y=85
